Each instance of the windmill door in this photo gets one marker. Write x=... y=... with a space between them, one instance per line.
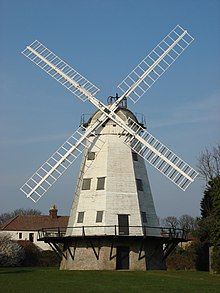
x=123 y=225
x=122 y=258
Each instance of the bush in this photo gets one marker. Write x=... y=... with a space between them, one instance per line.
x=11 y=253
x=49 y=258
x=25 y=253
x=32 y=253
x=34 y=256
x=202 y=256
x=182 y=259
x=195 y=256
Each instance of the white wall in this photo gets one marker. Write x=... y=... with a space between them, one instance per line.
x=120 y=196
x=25 y=236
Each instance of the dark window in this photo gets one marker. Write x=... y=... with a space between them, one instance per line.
x=100 y=183
x=144 y=217
x=99 y=216
x=91 y=156
x=31 y=237
x=86 y=184
x=80 y=217
x=139 y=184
x=135 y=156
x=20 y=235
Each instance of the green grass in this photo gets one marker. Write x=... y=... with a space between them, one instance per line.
x=52 y=280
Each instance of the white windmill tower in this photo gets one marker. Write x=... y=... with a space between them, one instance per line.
x=113 y=223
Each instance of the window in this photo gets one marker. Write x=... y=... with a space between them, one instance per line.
x=31 y=237
x=20 y=235
x=80 y=217
x=100 y=183
x=144 y=217
x=139 y=184
x=91 y=156
x=99 y=216
x=135 y=156
x=86 y=184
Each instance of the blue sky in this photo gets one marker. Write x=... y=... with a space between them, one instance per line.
x=104 y=40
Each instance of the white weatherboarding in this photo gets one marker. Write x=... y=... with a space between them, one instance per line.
x=134 y=86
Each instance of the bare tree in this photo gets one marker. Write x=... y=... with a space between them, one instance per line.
x=6 y=216
x=209 y=163
x=170 y=222
x=188 y=223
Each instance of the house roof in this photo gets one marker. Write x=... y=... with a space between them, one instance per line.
x=34 y=222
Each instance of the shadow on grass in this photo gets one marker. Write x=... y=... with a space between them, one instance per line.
x=14 y=271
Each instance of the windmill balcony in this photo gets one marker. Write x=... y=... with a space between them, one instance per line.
x=61 y=233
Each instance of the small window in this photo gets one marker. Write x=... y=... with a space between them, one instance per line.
x=91 y=156
x=100 y=183
x=31 y=237
x=86 y=184
x=20 y=235
x=144 y=217
x=139 y=184
x=99 y=216
x=135 y=156
x=80 y=217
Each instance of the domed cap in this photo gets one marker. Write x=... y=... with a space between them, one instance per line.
x=122 y=112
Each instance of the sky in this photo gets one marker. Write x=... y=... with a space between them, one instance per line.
x=104 y=40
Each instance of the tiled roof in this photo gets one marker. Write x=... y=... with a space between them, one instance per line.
x=34 y=222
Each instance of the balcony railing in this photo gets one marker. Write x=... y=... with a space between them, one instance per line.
x=113 y=230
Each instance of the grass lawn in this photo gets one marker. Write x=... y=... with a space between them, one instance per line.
x=52 y=280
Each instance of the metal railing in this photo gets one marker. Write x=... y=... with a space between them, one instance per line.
x=112 y=230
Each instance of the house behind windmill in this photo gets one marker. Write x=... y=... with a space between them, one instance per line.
x=25 y=227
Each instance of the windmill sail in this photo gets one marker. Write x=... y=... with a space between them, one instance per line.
x=60 y=70
x=57 y=164
x=159 y=156
x=133 y=86
x=145 y=74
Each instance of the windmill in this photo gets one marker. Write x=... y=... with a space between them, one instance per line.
x=113 y=223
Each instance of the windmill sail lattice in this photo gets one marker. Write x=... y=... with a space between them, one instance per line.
x=60 y=70
x=57 y=164
x=146 y=73
x=160 y=157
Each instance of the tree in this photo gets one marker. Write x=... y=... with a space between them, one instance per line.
x=209 y=163
x=209 y=225
x=188 y=223
x=170 y=222
x=182 y=258
x=214 y=219
x=11 y=253
x=7 y=216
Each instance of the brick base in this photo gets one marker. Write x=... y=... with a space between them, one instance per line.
x=144 y=254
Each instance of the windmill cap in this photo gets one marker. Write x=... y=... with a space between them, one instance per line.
x=123 y=113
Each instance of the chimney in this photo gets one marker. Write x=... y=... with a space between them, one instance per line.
x=53 y=212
